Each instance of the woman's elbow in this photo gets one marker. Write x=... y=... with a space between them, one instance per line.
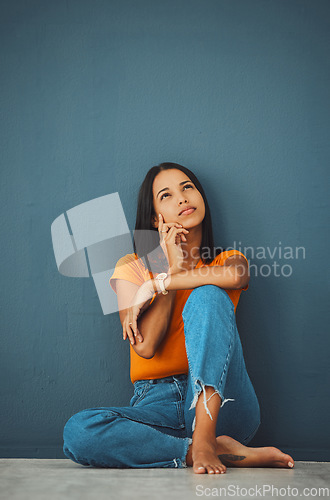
x=144 y=351
x=243 y=282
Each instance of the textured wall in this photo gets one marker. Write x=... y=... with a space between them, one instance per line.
x=95 y=92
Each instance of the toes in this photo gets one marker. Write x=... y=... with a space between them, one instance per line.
x=209 y=469
x=199 y=469
x=289 y=461
x=220 y=469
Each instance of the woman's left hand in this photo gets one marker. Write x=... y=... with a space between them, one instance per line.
x=139 y=304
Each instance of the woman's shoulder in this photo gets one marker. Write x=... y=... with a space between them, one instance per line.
x=131 y=260
x=129 y=268
x=223 y=255
x=127 y=259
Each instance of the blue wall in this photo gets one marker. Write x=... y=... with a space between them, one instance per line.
x=93 y=93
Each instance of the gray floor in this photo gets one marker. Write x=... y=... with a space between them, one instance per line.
x=44 y=479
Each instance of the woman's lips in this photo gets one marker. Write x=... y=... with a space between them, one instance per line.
x=188 y=212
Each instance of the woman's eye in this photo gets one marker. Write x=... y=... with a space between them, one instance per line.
x=187 y=185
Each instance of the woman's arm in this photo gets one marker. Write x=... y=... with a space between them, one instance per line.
x=153 y=322
x=234 y=274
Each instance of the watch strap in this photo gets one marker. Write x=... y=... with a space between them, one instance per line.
x=161 y=278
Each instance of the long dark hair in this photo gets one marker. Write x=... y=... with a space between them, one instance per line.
x=146 y=237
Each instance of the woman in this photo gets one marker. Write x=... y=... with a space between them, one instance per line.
x=186 y=356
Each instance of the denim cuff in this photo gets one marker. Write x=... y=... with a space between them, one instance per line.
x=181 y=462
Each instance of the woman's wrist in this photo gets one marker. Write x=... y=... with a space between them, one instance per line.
x=157 y=285
x=167 y=281
x=154 y=285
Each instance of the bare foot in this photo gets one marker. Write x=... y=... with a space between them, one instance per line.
x=234 y=454
x=203 y=455
x=214 y=457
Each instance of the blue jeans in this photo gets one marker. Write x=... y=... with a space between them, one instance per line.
x=155 y=430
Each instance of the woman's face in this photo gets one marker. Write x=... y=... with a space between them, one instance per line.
x=173 y=191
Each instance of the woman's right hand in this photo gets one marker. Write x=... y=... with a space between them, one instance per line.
x=171 y=234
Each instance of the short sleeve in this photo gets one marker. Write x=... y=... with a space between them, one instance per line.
x=127 y=268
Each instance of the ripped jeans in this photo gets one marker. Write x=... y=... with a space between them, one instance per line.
x=156 y=429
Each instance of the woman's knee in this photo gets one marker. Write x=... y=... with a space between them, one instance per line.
x=74 y=435
x=81 y=435
x=208 y=297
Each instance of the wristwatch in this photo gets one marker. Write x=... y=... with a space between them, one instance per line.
x=161 y=278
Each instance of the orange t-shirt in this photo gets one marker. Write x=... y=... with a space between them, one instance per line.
x=170 y=357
